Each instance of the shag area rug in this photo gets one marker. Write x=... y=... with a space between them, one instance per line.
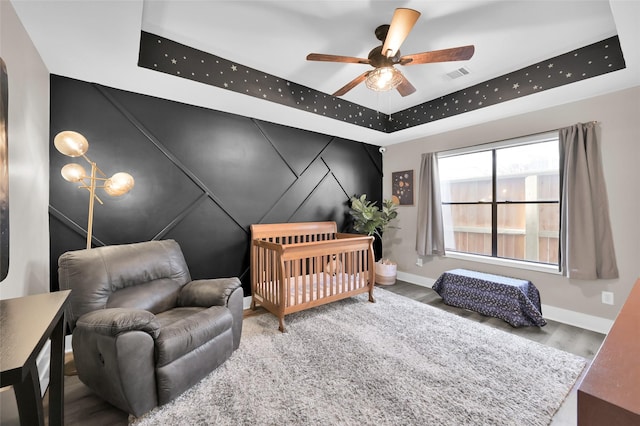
x=394 y=362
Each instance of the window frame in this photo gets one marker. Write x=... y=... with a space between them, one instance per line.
x=495 y=202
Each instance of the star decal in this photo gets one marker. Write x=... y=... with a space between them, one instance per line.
x=162 y=55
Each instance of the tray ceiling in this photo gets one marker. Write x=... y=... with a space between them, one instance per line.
x=99 y=41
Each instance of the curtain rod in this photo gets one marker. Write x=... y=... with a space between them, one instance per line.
x=487 y=145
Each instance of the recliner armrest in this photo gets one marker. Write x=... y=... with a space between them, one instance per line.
x=113 y=321
x=206 y=293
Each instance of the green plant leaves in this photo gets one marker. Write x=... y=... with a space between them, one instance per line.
x=368 y=218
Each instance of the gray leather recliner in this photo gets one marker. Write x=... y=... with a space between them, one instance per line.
x=143 y=331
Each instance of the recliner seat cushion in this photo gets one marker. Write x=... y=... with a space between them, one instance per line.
x=184 y=329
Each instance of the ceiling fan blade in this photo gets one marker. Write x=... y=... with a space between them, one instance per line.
x=405 y=88
x=336 y=58
x=461 y=53
x=401 y=24
x=353 y=83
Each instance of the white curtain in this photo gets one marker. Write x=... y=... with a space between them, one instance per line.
x=430 y=235
x=586 y=242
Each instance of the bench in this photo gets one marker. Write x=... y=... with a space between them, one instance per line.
x=513 y=300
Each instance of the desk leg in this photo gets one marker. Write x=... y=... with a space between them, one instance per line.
x=56 y=383
x=29 y=398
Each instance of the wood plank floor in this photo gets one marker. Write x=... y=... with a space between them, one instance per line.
x=561 y=336
x=82 y=407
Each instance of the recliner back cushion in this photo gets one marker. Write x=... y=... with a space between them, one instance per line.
x=128 y=273
x=155 y=296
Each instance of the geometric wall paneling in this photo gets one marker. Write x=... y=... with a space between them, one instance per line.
x=213 y=145
x=63 y=236
x=374 y=155
x=115 y=144
x=201 y=176
x=286 y=207
x=288 y=142
x=352 y=165
x=161 y=190
x=215 y=245
x=167 y=56
x=328 y=201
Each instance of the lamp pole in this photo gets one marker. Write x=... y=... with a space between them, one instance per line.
x=92 y=195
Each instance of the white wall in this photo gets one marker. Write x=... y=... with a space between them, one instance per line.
x=28 y=160
x=619 y=117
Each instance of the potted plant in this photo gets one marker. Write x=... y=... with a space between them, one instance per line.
x=373 y=221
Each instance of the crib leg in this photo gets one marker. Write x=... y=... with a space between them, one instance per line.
x=371 y=298
x=282 y=328
x=253 y=304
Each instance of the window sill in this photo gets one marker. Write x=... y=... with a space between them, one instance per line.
x=538 y=267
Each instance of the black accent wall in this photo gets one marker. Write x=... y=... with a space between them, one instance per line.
x=202 y=177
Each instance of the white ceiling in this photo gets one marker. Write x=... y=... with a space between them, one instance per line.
x=98 y=41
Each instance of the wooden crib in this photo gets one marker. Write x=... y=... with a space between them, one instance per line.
x=296 y=266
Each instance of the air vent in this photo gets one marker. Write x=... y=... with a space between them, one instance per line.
x=458 y=73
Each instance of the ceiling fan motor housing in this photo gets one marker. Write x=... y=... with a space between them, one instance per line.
x=378 y=60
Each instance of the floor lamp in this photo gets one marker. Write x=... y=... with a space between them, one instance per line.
x=73 y=144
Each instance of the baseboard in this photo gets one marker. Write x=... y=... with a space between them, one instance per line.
x=67 y=344
x=43 y=363
x=577 y=319
x=565 y=316
x=416 y=279
x=246 y=302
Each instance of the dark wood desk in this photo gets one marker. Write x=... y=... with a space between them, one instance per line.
x=609 y=393
x=25 y=325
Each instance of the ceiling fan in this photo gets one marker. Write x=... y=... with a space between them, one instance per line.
x=385 y=76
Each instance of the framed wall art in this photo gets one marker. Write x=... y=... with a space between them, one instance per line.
x=402 y=187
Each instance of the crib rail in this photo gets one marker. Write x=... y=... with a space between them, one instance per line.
x=293 y=233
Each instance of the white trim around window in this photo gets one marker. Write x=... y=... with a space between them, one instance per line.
x=500 y=261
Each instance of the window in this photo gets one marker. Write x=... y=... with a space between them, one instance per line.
x=502 y=200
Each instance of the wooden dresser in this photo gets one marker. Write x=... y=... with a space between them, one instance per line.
x=610 y=391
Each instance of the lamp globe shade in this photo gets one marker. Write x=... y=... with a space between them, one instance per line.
x=73 y=172
x=71 y=144
x=119 y=184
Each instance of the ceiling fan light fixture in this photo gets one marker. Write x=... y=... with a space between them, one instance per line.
x=383 y=79
x=384 y=76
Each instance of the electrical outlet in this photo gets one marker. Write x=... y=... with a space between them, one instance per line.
x=607 y=297
x=419 y=261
